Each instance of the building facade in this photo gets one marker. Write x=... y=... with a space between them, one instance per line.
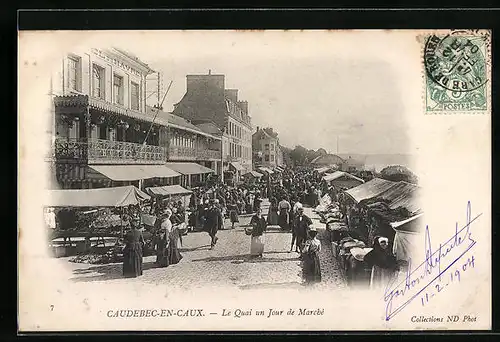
x=105 y=135
x=266 y=148
x=207 y=102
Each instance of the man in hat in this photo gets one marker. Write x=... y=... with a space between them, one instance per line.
x=300 y=228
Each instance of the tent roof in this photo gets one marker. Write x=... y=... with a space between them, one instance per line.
x=168 y=190
x=369 y=189
x=106 y=197
x=402 y=195
x=134 y=172
x=189 y=168
x=338 y=174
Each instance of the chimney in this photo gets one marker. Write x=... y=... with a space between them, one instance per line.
x=244 y=106
x=210 y=71
x=257 y=128
x=232 y=94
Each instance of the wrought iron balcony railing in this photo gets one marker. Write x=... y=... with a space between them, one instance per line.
x=100 y=151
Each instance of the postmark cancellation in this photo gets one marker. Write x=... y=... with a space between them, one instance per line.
x=457 y=77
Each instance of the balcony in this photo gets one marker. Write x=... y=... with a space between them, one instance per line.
x=97 y=151
x=191 y=153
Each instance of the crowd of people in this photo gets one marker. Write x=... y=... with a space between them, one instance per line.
x=209 y=205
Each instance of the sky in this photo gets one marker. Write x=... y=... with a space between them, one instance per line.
x=313 y=88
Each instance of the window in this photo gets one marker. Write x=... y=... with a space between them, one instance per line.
x=74 y=73
x=272 y=147
x=266 y=157
x=272 y=157
x=266 y=147
x=134 y=95
x=98 y=81
x=118 y=89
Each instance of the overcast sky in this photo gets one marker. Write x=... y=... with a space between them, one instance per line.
x=309 y=86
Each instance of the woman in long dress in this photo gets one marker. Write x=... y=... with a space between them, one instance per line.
x=259 y=225
x=310 y=258
x=132 y=253
x=233 y=214
x=163 y=244
x=383 y=262
x=272 y=216
x=174 y=256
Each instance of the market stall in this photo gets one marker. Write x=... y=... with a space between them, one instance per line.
x=342 y=180
x=96 y=217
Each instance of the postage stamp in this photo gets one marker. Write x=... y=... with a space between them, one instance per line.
x=457 y=72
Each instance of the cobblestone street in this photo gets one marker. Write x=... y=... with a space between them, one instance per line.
x=227 y=264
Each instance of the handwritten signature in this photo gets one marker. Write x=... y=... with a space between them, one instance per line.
x=440 y=261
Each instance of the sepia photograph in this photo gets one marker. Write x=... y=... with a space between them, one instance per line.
x=254 y=180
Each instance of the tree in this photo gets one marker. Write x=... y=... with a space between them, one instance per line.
x=398 y=173
x=299 y=155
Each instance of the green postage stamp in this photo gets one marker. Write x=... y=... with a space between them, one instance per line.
x=457 y=77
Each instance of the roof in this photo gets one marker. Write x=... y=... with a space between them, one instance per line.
x=175 y=121
x=189 y=168
x=339 y=174
x=369 y=189
x=209 y=127
x=168 y=190
x=134 y=172
x=105 y=197
x=401 y=195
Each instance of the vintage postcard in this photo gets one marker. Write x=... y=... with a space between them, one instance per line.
x=254 y=180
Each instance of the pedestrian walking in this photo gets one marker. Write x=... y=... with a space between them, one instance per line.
x=259 y=225
x=284 y=214
x=133 y=251
x=163 y=244
x=233 y=214
x=310 y=261
x=301 y=226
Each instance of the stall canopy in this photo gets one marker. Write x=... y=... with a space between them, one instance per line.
x=168 y=190
x=408 y=235
x=189 y=168
x=401 y=195
x=369 y=189
x=107 y=197
x=279 y=169
x=339 y=174
x=237 y=166
x=254 y=174
x=324 y=169
x=266 y=169
x=134 y=172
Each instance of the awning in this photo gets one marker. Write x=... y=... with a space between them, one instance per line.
x=253 y=174
x=370 y=189
x=168 y=190
x=237 y=166
x=278 y=169
x=267 y=170
x=189 y=168
x=106 y=197
x=134 y=172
